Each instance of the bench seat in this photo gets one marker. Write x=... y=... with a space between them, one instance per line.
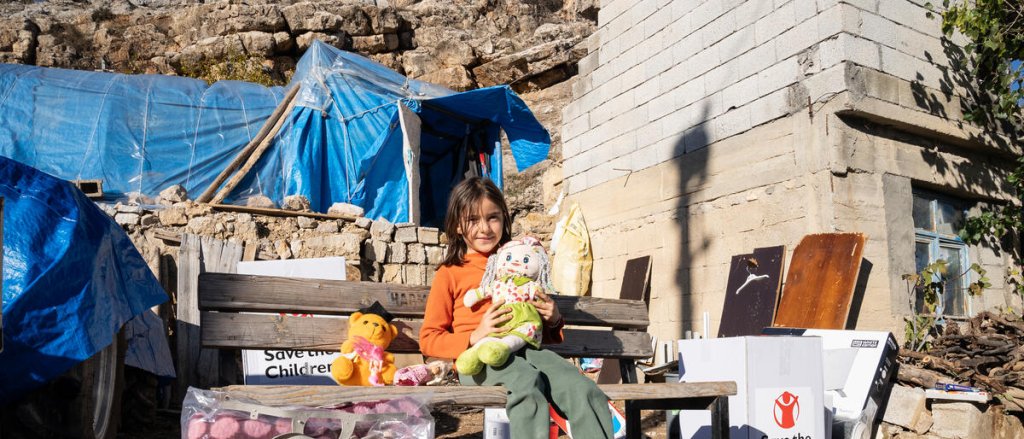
x=259 y=312
x=473 y=396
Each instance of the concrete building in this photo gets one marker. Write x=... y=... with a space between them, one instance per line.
x=704 y=129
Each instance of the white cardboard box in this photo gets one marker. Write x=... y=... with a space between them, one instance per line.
x=496 y=424
x=860 y=367
x=779 y=386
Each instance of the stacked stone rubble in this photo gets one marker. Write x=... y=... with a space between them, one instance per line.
x=909 y=415
x=374 y=250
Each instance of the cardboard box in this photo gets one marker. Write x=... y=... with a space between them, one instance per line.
x=779 y=386
x=860 y=367
x=497 y=426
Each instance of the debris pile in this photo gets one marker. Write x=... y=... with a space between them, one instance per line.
x=986 y=352
x=966 y=384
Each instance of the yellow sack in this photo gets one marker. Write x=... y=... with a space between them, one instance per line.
x=572 y=262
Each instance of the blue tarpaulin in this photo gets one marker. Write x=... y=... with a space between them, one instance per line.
x=342 y=142
x=71 y=279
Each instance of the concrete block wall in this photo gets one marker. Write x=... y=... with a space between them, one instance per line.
x=659 y=71
x=704 y=129
x=692 y=213
x=698 y=71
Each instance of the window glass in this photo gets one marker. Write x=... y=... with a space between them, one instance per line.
x=949 y=218
x=921 y=257
x=954 y=291
x=937 y=220
x=923 y=213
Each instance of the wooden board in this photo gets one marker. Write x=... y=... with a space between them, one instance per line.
x=198 y=366
x=820 y=283
x=247 y=293
x=269 y=331
x=636 y=279
x=750 y=305
x=636 y=282
x=279 y=212
x=477 y=396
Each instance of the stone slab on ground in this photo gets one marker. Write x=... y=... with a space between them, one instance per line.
x=960 y=420
x=907 y=408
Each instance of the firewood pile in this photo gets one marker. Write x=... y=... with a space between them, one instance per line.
x=986 y=353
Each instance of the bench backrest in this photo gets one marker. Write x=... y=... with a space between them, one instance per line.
x=245 y=312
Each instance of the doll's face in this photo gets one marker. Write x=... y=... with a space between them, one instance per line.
x=520 y=259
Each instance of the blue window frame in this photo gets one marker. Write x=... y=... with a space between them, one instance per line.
x=937 y=219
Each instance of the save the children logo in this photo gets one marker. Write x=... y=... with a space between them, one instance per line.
x=786 y=410
x=790 y=412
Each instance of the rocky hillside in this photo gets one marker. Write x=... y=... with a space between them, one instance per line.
x=533 y=45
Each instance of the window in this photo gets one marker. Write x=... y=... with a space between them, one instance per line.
x=936 y=222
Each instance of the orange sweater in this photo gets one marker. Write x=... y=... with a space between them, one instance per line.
x=447 y=323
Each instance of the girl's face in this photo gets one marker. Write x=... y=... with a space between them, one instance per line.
x=482 y=227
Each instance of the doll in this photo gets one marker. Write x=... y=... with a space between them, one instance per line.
x=515 y=274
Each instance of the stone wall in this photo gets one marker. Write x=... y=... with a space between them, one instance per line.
x=377 y=251
x=702 y=130
x=462 y=45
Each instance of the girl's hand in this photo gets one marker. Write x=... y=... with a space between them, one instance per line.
x=546 y=308
x=493 y=318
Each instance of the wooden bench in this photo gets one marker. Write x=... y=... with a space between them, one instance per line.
x=599 y=328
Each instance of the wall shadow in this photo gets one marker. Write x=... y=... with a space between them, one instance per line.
x=962 y=86
x=983 y=172
x=691 y=151
x=858 y=293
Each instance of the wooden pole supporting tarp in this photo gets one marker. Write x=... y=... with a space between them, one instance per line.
x=269 y=130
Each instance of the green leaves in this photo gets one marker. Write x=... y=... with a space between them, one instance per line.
x=931 y=282
x=977 y=287
x=992 y=55
x=995 y=33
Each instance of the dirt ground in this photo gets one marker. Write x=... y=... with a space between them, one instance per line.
x=470 y=424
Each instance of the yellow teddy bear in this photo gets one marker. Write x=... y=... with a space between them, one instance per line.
x=363 y=360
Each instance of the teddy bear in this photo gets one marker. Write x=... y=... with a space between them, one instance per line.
x=363 y=360
x=515 y=274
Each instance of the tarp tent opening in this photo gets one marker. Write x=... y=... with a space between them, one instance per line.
x=359 y=133
x=353 y=138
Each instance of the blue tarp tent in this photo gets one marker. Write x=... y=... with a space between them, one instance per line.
x=71 y=279
x=359 y=133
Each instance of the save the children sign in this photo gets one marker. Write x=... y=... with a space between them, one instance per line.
x=288 y=367
x=268 y=367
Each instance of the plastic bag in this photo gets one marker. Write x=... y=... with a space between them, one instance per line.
x=572 y=262
x=591 y=365
x=208 y=414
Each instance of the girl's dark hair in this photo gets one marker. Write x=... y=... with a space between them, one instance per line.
x=467 y=195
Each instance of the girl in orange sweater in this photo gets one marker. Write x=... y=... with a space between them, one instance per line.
x=477 y=223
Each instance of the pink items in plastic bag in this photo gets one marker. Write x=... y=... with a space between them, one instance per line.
x=208 y=414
